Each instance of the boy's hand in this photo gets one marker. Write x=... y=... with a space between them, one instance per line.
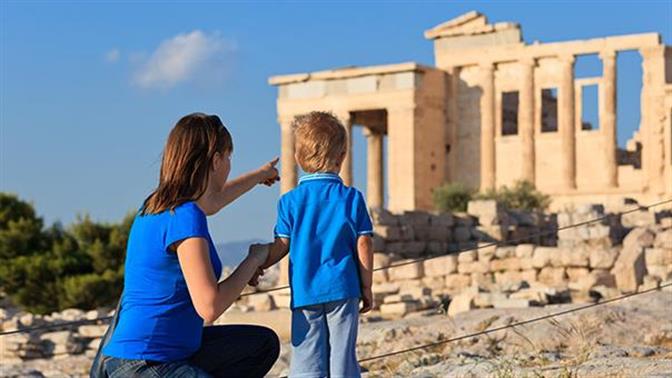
x=269 y=173
x=254 y=281
x=367 y=300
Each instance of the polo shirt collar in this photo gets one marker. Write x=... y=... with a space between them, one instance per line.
x=320 y=176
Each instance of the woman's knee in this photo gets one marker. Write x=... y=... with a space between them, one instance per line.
x=271 y=342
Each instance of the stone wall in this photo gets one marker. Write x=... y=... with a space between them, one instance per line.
x=464 y=270
x=57 y=342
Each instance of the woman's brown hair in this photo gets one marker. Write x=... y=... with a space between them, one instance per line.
x=187 y=161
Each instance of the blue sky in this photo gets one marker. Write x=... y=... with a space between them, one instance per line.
x=86 y=99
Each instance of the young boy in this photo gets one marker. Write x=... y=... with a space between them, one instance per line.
x=326 y=227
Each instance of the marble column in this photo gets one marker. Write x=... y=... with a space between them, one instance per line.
x=526 y=119
x=288 y=174
x=487 y=127
x=608 y=116
x=346 y=167
x=453 y=124
x=374 y=168
x=566 y=121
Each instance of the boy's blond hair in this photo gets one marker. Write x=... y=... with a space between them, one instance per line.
x=320 y=141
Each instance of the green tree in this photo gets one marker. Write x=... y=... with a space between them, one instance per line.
x=44 y=270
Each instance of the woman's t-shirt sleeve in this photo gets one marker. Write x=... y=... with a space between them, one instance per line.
x=186 y=221
x=283 y=226
x=363 y=220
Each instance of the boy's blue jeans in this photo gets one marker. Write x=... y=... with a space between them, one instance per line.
x=226 y=351
x=324 y=337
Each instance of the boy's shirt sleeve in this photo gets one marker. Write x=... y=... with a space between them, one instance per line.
x=364 y=226
x=283 y=225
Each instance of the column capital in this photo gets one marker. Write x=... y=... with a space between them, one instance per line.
x=487 y=66
x=528 y=61
x=567 y=58
x=607 y=55
x=651 y=52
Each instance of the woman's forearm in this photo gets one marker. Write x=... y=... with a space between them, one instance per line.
x=229 y=290
x=237 y=187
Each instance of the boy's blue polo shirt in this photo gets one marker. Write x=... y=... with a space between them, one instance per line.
x=323 y=219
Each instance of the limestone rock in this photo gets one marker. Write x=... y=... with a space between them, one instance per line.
x=440 y=266
x=461 y=303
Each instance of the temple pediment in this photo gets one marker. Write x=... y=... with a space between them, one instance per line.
x=468 y=24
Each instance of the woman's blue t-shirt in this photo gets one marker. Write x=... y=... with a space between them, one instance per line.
x=157 y=320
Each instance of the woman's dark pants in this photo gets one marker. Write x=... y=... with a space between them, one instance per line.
x=226 y=351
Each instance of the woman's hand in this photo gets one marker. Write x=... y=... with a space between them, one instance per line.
x=268 y=173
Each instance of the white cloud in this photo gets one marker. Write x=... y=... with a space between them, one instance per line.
x=112 y=56
x=183 y=58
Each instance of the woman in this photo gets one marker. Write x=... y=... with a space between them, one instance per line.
x=171 y=269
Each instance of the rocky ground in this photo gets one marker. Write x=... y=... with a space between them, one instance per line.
x=630 y=338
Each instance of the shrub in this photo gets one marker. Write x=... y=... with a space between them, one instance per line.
x=452 y=197
x=522 y=196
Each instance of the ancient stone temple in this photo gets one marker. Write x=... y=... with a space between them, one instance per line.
x=494 y=110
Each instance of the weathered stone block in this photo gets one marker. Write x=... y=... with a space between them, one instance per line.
x=525 y=251
x=383 y=217
x=511 y=303
x=574 y=274
x=406 y=272
x=440 y=266
x=92 y=330
x=442 y=219
x=552 y=276
x=658 y=256
x=461 y=234
x=642 y=237
x=396 y=298
x=486 y=251
x=664 y=239
x=641 y=218
x=420 y=218
x=529 y=275
x=416 y=292
x=390 y=233
x=575 y=257
x=630 y=267
x=467 y=256
x=603 y=258
x=398 y=309
x=437 y=247
x=473 y=267
x=505 y=252
x=533 y=296
x=597 y=277
x=461 y=303
x=483 y=280
x=458 y=281
x=434 y=283
x=488 y=212
x=378 y=243
x=386 y=288
x=511 y=263
x=485 y=300
x=440 y=233
x=409 y=284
